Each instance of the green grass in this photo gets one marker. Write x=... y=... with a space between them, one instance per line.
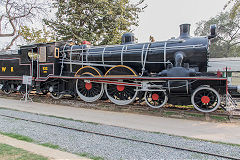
x=87 y=155
x=18 y=136
x=169 y=113
x=198 y=139
x=195 y=115
x=104 y=106
x=219 y=118
x=49 y=145
x=8 y=152
x=28 y=139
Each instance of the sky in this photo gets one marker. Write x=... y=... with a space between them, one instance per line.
x=161 y=19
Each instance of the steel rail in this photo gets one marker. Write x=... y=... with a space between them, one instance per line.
x=123 y=138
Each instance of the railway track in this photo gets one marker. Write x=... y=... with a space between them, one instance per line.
x=123 y=138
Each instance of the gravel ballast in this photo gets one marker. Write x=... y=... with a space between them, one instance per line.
x=108 y=147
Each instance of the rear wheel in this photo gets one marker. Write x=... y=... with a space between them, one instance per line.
x=7 y=89
x=206 y=99
x=156 y=99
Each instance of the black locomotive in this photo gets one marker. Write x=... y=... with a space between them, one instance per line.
x=173 y=71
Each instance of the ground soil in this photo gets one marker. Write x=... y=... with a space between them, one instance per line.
x=183 y=112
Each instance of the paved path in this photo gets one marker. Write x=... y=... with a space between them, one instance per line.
x=224 y=132
x=40 y=150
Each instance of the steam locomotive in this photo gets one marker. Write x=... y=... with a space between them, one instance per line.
x=172 y=71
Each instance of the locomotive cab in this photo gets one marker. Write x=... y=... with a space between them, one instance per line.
x=42 y=58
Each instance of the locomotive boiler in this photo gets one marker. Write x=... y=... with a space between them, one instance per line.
x=150 y=57
x=172 y=71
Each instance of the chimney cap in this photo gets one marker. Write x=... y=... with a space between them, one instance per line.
x=185 y=30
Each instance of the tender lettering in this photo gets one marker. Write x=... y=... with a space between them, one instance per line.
x=4 y=69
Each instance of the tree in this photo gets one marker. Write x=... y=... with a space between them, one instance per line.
x=16 y=13
x=228 y=31
x=235 y=9
x=98 y=21
x=37 y=35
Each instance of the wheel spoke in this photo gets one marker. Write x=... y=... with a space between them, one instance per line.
x=90 y=94
x=157 y=103
x=120 y=95
x=205 y=99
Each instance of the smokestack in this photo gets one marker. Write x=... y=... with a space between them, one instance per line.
x=184 y=30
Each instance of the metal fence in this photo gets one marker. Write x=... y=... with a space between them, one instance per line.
x=8 y=52
x=235 y=80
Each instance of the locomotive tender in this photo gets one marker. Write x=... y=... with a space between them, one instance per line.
x=172 y=71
